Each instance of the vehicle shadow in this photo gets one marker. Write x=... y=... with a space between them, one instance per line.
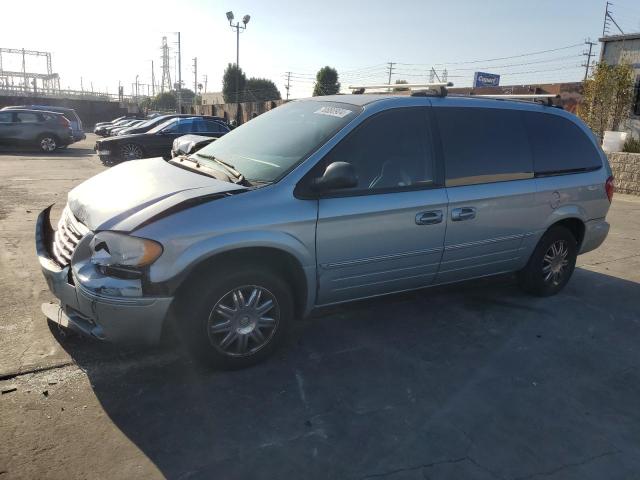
x=70 y=151
x=476 y=380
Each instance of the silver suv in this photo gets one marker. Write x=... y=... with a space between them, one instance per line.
x=322 y=201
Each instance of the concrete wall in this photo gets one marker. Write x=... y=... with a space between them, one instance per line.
x=248 y=110
x=626 y=171
x=89 y=111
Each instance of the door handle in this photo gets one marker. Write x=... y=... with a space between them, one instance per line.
x=429 y=218
x=463 y=213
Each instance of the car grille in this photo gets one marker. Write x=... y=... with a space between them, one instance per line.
x=69 y=233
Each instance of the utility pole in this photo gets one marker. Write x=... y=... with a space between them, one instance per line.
x=607 y=17
x=205 y=83
x=179 y=76
x=238 y=28
x=288 y=86
x=153 y=80
x=588 y=55
x=195 y=80
x=390 y=67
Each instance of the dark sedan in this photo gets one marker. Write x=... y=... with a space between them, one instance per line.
x=157 y=142
x=150 y=123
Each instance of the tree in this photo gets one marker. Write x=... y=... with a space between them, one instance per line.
x=165 y=101
x=261 y=90
x=607 y=98
x=326 y=82
x=232 y=74
x=400 y=89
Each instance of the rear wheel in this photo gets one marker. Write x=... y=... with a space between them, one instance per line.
x=47 y=143
x=551 y=264
x=235 y=319
x=131 y=151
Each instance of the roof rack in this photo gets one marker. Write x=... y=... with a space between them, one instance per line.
x=544 y=97
x=440 y=88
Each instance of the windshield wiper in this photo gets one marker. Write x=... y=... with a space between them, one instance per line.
x=198 y=168
x=227 y=166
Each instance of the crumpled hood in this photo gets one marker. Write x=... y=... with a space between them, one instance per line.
x=131 y=193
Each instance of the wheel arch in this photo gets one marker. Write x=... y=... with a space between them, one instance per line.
x=276 y=259
x=48 y=134
x=575 y=225
x=572 y=217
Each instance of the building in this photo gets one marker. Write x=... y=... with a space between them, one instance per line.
x=569 y=93
x=212 y=98
x=625 y=48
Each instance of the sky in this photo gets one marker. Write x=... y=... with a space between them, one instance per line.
x=107 y=43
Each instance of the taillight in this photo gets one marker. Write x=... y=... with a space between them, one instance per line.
x=64 y=121
x=609 y=187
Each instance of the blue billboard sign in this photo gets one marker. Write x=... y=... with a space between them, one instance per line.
x=482 y=79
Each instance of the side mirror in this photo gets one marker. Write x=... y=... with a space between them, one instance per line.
x=337 y=175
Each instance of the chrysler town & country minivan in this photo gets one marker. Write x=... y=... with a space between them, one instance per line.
x=322 y=201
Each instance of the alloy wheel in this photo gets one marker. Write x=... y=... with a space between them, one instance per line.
x=48 y=144
x=131 y=151
x=554 y=262
x=243 y=321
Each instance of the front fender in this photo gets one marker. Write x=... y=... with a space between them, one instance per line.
x=173 y=273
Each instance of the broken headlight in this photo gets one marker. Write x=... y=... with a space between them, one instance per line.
x=111 y=249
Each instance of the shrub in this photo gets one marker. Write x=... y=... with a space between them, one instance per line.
x=632 y=145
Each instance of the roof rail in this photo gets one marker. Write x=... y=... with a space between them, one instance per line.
x=546 y=97
x=440 y=88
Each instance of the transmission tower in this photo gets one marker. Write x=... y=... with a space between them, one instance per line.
x=166 y=67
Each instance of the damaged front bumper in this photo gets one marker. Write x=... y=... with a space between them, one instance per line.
x=86 y=309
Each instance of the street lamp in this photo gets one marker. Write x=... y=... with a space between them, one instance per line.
x=238 y=29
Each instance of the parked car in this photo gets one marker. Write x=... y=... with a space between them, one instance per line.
x=45 y=130
x=116 y=130
x=70 y=113
x=109 y=129
x=147 y=125
x=128 y=116
x=103 y=129
x=323 y=201
x=188 y=144
x=157 y=141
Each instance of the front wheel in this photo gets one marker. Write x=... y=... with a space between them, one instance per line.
x=551 y=264
x=131 y=151
x=47 y=143
x=239 y=318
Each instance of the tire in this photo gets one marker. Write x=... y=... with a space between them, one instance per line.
x=47 y=143
x=131 y=151
x=222 y=329
x=551 y=264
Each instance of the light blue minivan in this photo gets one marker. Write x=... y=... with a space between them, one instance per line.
x=322 y=201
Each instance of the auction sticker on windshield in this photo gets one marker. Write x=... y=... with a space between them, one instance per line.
x=333 y=111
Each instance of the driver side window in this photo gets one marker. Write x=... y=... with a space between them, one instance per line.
x=389 y=151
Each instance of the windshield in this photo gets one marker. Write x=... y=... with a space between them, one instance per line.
x=162 y=125
x=270 y=145
x=151 y=121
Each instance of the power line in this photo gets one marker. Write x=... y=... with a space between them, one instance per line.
x=539 y=52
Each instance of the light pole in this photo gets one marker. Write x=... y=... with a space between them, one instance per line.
x=238 y=28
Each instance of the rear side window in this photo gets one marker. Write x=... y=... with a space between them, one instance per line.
x=6 y=117
x=207 y=126
x=559 y=145
x=27 y=117
x=482 y=145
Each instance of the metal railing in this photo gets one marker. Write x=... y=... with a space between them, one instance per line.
x=20 y=91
